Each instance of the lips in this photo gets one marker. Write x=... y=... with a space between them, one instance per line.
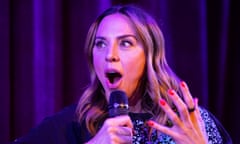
x=113 y=78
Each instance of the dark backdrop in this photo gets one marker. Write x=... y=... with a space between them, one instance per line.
x=43 y=68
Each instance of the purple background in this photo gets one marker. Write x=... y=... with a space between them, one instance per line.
x=43 y=67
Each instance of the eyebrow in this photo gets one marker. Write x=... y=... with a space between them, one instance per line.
x=119 y=37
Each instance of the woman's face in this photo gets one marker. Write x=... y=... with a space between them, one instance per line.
x=118 y=55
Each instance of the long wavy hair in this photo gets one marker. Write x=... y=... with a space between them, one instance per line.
x=157 y=78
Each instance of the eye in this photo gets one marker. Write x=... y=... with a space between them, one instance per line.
x=100 y=44
x=126 y=43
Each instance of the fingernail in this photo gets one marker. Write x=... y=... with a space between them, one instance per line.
x=150 y=123
x=162 y=102
x=171 y=92
x=183 y=84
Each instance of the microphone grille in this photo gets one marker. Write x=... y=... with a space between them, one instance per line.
x=118 y=103
x=118 y=97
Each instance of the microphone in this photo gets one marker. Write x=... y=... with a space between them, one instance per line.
x=118 y=104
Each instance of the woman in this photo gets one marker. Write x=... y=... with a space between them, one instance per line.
x=125 y=50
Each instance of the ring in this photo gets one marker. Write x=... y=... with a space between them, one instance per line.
x=191 y=109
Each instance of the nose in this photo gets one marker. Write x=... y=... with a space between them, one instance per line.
x=112 y=54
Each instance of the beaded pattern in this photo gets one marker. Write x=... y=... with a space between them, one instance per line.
x=141 y=131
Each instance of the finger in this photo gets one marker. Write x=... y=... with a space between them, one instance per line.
x=197 y=111
x=170 y=113
x=121 y=134
x=200 y=122
x=163 y=129
x=122 y=139
x=187 y=95
x=126 y=140
x=124 y=134
x=123 y=131
x=123 y=120
x=181 y=106
x=197 y=115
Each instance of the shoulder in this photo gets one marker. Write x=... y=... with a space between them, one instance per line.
x=61 y=119
x=214 y=129
x=66 y=115
x=53 y=129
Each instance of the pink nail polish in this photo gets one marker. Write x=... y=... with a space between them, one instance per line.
x=150 y=123
x=162 y=102
x=171 y=92
x=183 y=84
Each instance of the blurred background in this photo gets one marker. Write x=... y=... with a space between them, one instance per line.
x=43 y=67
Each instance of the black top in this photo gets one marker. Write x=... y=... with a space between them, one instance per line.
x=63 y=128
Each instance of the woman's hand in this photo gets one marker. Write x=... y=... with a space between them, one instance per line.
x=117 y=130
x=188 y=127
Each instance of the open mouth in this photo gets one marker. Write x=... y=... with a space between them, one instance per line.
x=113 y=76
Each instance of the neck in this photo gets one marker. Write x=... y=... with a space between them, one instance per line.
x=136 y=108
x=134 y=100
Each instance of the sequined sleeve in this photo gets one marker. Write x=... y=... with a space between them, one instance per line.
x=214 y=136
x=141 y=130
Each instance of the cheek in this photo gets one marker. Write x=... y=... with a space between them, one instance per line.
x=135 y=67
x=137 y=61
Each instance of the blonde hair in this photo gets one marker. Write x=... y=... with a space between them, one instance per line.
x=157 y=79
